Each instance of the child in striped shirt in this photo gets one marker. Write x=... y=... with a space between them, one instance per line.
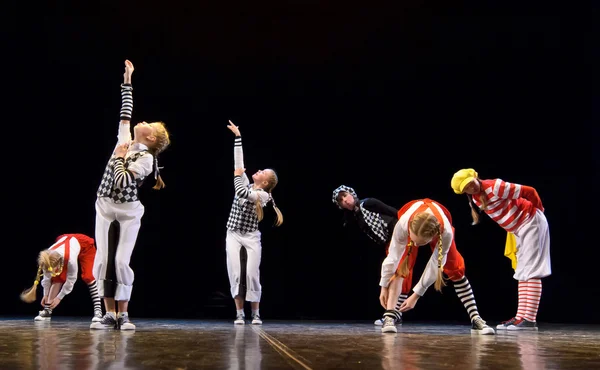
x=518 y=209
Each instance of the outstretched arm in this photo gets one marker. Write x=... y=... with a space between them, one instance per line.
x=124 y=135
x=238 y=153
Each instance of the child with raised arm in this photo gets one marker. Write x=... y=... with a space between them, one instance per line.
x=422 y=222
x=57 y=267
x=517 y=209
x=117 y=200
x=377 y=220
x=242 y=231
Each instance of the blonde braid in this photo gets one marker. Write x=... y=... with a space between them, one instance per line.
x=439 y=282
x=29 y=295
x=404 y=268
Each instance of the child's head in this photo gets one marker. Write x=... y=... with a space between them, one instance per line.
x=156 y=137
x=267 y=179
x=466 y=181
x=422 y=229
x=47 y=261
x=345 y=197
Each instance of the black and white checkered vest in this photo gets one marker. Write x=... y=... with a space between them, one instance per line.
x=107 y=189
x=242 y=216
x=377 y=228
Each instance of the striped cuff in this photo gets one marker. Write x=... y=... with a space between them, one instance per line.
x=126 y=102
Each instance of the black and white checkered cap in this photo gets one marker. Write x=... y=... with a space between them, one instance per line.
x=340 y=189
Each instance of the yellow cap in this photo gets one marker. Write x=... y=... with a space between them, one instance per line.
x=461 y=179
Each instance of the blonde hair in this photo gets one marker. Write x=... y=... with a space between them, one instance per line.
x=162 y=142
x=48 y=261
x=484 y=204
x=271 y=183
x=427 y=226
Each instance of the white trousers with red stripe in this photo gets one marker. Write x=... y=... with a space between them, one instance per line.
x=533 y=249
x=233 y=244
x=129 y=215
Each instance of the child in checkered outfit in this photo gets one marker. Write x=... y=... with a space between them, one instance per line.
x=118 y=205
x=242 y=231
x=377 y=220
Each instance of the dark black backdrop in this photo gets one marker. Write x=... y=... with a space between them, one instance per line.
x=389 y=99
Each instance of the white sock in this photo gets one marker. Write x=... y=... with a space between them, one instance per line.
x=240 y=312
x=255 y=312
x=113 y=314
x=123 y=314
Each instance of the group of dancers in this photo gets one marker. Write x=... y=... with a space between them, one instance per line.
x=104 y=262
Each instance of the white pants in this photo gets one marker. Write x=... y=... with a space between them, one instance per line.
x=533 y=249
x=129 y=215
x=234 y=243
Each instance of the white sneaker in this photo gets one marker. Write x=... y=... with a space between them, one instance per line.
x=389 y=325
x=97 y=316
x=44 y=315
x=480 y=327
x=378 y=322
x=240 y=320
x=123 y=323
x=108 y=322
x=256 y=320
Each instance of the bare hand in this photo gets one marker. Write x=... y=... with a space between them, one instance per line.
x=54 y=303
x=234 y=128
x=121 y=150
x=43 y=302
x=239 y=171
x=383 y=297
x=128 y=72
x=410 y=303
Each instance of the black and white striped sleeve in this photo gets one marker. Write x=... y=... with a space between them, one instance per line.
x=123 y=177
x=241 y=190
x=126 y=102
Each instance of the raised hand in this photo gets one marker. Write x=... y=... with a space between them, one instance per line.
x=239 y=171
x=128 y=72
x=234 y=128
x=121 y=150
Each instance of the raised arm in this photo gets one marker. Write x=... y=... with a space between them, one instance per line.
x=238 y=153
x=124 y=135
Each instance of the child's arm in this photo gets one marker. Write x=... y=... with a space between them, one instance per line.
x=46 y=280
x=430 y=273
x=531 y=195
x=238 y=153
x=124 y=134
x=375 y=205
x=71 y=270
x=396 y=250
x=242 y=191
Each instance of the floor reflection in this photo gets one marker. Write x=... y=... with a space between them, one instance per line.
x=179 y=344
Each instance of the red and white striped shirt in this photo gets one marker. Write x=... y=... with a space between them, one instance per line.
x=507 y=203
